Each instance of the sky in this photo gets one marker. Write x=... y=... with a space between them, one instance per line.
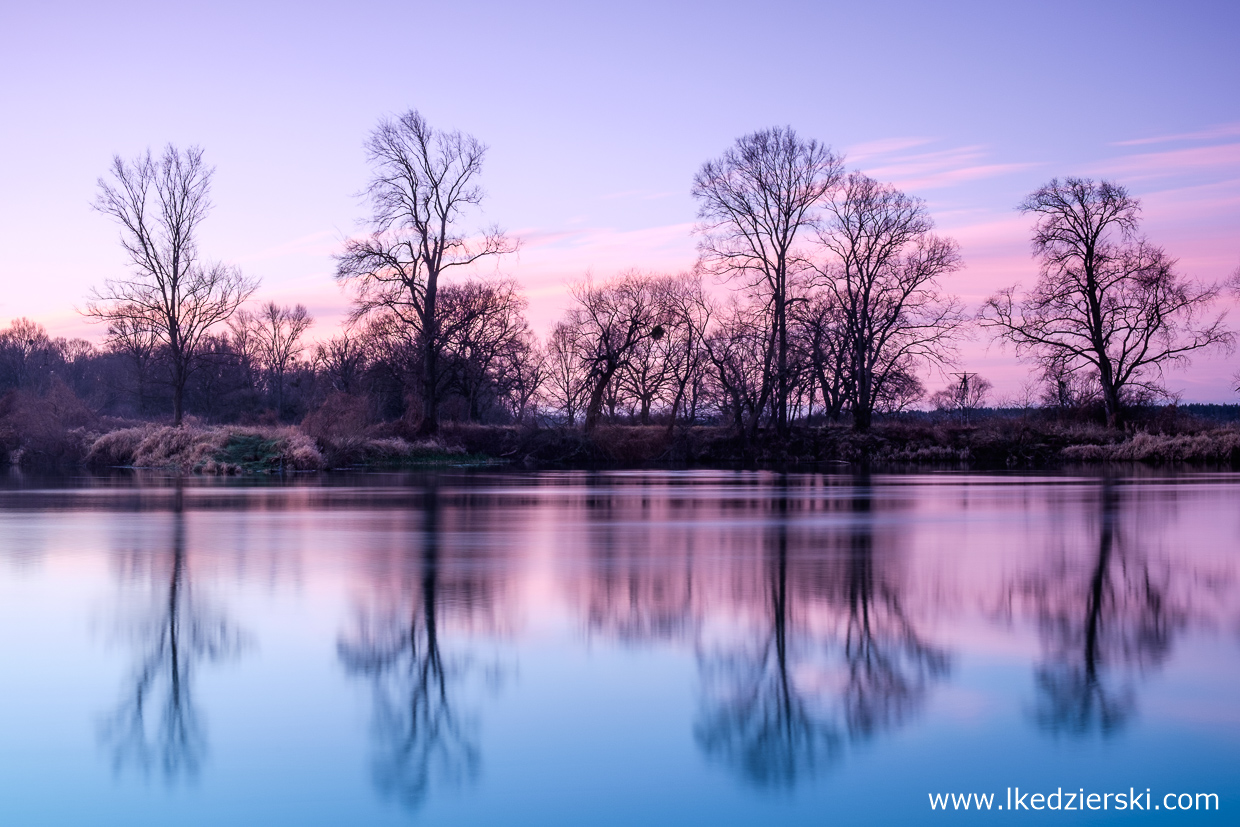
x=597 y=117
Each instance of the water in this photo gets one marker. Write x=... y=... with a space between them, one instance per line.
x=621 y=648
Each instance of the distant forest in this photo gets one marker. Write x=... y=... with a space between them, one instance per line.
x=835 y=303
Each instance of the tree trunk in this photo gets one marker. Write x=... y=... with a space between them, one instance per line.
x=863 y=411
x=594 y=411
x=179 y=375
x=781 y=323
x=1110 y=395
x=430 y=404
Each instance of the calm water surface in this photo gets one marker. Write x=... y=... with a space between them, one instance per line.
x=617 y=648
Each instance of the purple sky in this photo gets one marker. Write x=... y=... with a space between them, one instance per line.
x=597 y=118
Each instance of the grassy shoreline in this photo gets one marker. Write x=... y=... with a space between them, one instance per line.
x=990 y=445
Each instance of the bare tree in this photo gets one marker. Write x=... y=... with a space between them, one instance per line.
x=753 y=203
x=278 y=331
x=883 y=270
x=137 y=340
x=608 y=322
x=567 y=389
x=24 y=347
x=244 y=338
x=821 y=332
x=343 y=359
x=522 y=368
x=964 y=396
x=1106 y=300
x=736 y=349
x=646 y=378
x=160 y=203
x=424 y=181
x=482 y=324
x=688 y=315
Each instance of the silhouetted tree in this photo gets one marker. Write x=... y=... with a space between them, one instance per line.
x=687 y=313
x=567 y=387
x=736 y=348
x=272 y=337
x=754 y=202
x=883 y=269
x=1106 y=301
x=820 y=331
x=26 y=351
x=160 y=204
x=484 y=333
x=343 y=360
x=136 y=341
x=606 y=325
x=424 y=181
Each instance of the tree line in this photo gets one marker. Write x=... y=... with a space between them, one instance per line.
x=836 y=302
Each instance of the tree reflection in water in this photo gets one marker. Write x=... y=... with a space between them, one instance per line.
x=157 y=723
x=641 y=584
x=824 y=673
x=1102 y=623
x=422 y=739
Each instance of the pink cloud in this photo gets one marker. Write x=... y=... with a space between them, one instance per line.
x=323 y=244
x=1230 y=130
x=641 y=195
x=932 y=170
x=550 y=260
x=885 y=146
x=1217 y=159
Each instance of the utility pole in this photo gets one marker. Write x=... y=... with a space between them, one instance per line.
x=962 y=396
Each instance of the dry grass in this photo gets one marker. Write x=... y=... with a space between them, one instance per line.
x=207 y=450
x=1220 y=446
x=364 y=451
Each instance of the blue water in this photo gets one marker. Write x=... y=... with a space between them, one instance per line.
x=615 y=648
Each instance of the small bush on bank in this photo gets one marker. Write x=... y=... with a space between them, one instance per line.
x=387 y=452
x=46 y=429
x=341 y=416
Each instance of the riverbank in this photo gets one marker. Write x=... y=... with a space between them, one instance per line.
x=232 y=449
x=56 y=430
x=993 y=444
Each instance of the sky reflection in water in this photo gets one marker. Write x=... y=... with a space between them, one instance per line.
x=618 y=648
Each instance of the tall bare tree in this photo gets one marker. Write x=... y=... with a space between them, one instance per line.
x=753 y=203
x=883 y=269
x=1106 y=300
x=159 y=204
x=424 y=182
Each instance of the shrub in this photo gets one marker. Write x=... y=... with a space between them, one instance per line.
x=214 y=450
x=47 y=429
